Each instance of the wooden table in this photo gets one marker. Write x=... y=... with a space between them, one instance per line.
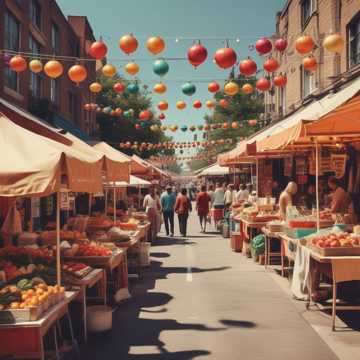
x=24 y=340
x=248 y=224
x=269 y=236
x=285 y=251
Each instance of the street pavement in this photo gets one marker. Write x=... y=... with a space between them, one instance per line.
x=200 y=300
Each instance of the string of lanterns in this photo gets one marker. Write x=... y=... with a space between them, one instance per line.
x=174 y=159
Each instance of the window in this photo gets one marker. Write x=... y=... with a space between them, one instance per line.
x=307 y=9
x=54 y=91
x=55 y=38
x=354 y=41
x=35 y=13
x=35 y=79
x=282 y=101
x=308 y=82
x=72 y=106
x=11 y=42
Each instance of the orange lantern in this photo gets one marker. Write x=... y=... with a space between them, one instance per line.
x=181 y=105
x=77 y=73
x=18 y=64
x=109 y=70
x=98 y=50
x=160 y=88
x=234 y=125
x=155 y=45
x=128 y=44
x=95 y=87
x=225 y=126
x=252 y=122
x=132 y=68
x=224 y=103
x=53 y=69
x=309 y=63
x=163 y=105
x=304 y=44
x=210 y=104
x=87 y=107
x=35 y=66
x=231 y=88
x=247 y=89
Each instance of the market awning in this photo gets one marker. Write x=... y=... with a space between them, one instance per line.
x=134 y=181
x=214 y=170
x=139 y=166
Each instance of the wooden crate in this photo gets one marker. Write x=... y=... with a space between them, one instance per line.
x=337 y=251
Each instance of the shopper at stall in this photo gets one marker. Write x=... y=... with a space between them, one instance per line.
x=167 y=200
x=183 y=208
x=219 y=197
x=286 y=198
x=242 y=195
x=203 y=200
x=152 y=206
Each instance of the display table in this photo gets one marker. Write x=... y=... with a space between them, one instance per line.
x=247 y=227
x=286 y=253
x=25 y=340
x=269 y=238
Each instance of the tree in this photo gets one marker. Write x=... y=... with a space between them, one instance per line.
x=115 y=130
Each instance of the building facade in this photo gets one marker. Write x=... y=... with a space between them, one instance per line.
x=316 y=18
x=39 y=26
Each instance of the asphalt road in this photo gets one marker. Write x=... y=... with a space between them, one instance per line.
x=199 y=300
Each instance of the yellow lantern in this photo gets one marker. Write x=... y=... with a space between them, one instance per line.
x=95 y=87
x=231 y=88
x=132 y=68
x=35 y=66
x=109 y=70
x=181 y=105
x=155 y=45
x=53 y=69
x=210 y=104
x=160 y=88
x=334 y=43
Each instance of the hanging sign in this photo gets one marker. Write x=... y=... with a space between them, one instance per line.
x=64 y=200
x=338 y=164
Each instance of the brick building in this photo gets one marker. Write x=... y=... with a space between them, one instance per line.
x=316 y=18
x=39 y=26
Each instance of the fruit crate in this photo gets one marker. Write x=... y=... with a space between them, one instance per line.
x=337 y=251
x=12 y=316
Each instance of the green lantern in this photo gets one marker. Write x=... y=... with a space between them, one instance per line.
x=133 y=88
x=160 y=67
x=188 y=89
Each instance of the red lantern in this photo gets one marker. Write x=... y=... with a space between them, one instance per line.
x=163 y=105
x=225 y=126
x=87 y=107
x=225 y=57
x=271 y=65
x=98 y=50
x=137 y=126
x=145 y=115
x=304 y=44
x=263 y=84
x=119 y=87
x=252 y=122
x=77 y=73
x=128 y=44
x=118 y=111
x=197 y=54
x=197 y=104
x=224 y=103
x=161 y=116
x=248 y=67
x=18 y=64
x=280 y=44
x=213 y=87
x=280 y=80
x=309 y=63
x=263 y=46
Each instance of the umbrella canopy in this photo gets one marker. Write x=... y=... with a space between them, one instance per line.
x=134 y=181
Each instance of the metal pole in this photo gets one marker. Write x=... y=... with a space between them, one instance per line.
x=106 y=201
x=114 y=204
x=317 y=186
x=90 y=201
x=58 y=264
x=257 y=177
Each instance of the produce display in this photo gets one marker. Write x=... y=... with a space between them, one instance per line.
x=78 y=270
x=335 y=240
x=98 y=223
x=90 y=249
x=49 y=237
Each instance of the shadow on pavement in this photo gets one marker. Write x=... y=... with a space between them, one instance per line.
x=166 y=241
x=238 y=323
x=160 y=254
x=179 y=355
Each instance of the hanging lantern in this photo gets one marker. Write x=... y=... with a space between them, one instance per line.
x=224 y=103
x=119 y=87
x=334 y=43
x=129 y=113
x=128 y=44
x=263 y=84
x=77 y=73
x=161 y=116
x=53 y=69
x=192 y=128
x=252 y=122
x=188 y=89
x=118 y=111
x=200 y=127
x=210 y=104
x=35 y=66
x=160 y=67
x=309 y=63
x=163 y=105
x=98 y=50
x=145 y=115
x=248 y=67
x=247 y=89
x=225 y=57
x=197 y=54
x=263 y=46
x=213 y=87
x=95 y=87
x=155 y=45
x=225 y=126
x=160 y=88
x=280 y=80
x=87 y=107
x=197 y=104
x=99 y=110
x=304 y=44
x=113 y=113
x=280 y=44
x=231 y=88
x=107 y=110
x=154 y=128
x=108 y=70
x=181 y=105
x=133 y=88
x=132 y=68
x=271 y=65
x=234 y=125
x=206 y=127
x=184 y=128
x=18 y=64
x=93 y=106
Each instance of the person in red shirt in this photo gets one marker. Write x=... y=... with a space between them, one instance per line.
x=203 y=200
x=182 y=208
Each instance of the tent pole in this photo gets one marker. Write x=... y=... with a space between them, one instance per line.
x=114 y=204
x=58 y=265
x=317 y=186
x=90 y=201
x=139 y=198
x=106 y=201
x=257 y=177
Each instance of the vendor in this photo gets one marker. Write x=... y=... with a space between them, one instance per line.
x=286 y=198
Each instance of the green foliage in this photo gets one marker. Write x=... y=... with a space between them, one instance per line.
x=115 y=130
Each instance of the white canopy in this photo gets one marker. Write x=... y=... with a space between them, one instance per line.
x=214 y=170
x=134 y=181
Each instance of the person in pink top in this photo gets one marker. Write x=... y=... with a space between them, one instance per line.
x=203 y=200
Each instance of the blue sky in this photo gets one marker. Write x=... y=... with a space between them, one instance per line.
x=246 y=20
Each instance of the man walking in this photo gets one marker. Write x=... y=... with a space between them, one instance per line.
x=182 y=208
x=167 y=201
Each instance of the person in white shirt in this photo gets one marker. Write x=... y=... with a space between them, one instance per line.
x=242 y=195
x=229 y=196
x=152 y=207
x=219 y=193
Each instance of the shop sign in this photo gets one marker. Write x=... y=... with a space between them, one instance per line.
x=338 y=165
x=64 y=200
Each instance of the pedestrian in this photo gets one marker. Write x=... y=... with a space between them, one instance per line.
x=203 y=200
x=229 y=196
x=242 y=195
x=182 y=208
x=152 y=206
x=211 y=193
x=167 y=200
x=219 y=197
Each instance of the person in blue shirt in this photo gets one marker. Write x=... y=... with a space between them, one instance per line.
x=167 y=201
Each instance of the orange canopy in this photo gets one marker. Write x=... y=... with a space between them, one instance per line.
x=139 y=166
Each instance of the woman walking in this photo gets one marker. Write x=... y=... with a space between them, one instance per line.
x=182 y=208
x=203 y=200
x=152 y=207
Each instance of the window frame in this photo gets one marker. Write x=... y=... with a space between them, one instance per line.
x=352 y=23
x=35 y=83
x=35 y=13
x=312 y=10
x=55 y=38
x=313 y=88
x=55 y=91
